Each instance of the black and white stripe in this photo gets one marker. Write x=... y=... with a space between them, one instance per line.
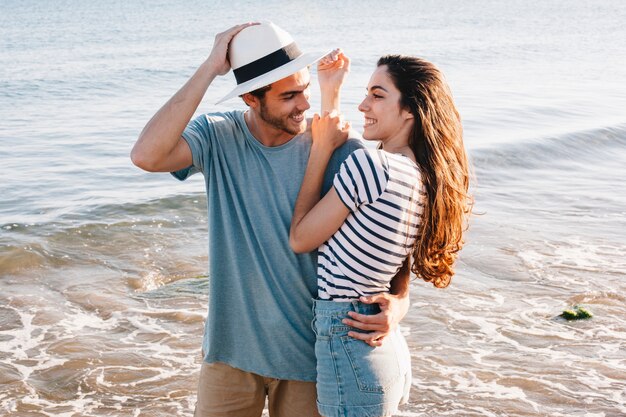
x=385 y=195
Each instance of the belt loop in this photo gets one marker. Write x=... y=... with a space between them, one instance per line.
x=355 y=306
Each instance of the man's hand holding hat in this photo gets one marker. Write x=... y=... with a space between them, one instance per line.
x=218 y=59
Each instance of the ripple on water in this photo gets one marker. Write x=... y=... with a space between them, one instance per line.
x=9 y=319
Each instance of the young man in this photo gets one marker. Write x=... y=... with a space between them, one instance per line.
x=258 y=339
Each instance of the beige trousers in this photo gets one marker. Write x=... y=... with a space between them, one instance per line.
x=224 y=391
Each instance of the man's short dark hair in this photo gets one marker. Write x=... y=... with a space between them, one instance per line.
x=260 y=92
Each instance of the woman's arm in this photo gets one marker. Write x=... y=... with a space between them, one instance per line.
x=332 y=71
x=314 y=221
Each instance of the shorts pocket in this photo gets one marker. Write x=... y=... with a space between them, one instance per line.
x=375 y=368
x=318 y=324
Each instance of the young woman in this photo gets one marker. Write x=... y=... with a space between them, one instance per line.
x=407 y=198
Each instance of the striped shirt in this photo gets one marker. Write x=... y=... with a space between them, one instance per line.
x=385 y=195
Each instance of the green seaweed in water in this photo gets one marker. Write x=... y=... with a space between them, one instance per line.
x=576 y=313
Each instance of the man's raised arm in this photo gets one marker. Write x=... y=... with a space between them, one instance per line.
x=160 y=146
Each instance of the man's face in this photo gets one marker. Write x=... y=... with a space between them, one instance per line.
x=284 y=104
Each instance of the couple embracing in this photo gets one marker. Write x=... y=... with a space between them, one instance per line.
x=312 y=236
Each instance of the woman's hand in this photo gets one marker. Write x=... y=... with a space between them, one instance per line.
x=328 y=131
x=332 y=70
x=331 y=73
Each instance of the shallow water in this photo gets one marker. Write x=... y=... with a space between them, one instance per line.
x=103 y=268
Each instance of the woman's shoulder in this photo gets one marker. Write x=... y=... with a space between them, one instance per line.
x=371 y=166
x=374 y=158
x=401 y=160
x=403 y=168
x=370 y=163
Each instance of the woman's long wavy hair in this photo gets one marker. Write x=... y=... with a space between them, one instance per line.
x=437 y=142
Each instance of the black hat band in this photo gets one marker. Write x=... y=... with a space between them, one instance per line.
x=267 y=63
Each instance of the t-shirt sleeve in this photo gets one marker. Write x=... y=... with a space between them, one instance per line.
x=197 y=134
x=337 y=159
x=361 y=179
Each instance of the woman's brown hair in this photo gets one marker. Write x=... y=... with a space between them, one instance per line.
x=437 y=142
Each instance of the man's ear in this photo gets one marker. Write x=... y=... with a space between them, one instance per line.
x=252 y=101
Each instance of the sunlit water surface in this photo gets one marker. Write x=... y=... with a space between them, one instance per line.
x=103 y=268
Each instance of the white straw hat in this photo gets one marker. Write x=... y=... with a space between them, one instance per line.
x=262 y=54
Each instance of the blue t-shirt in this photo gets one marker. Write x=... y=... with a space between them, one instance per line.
x=260 y=291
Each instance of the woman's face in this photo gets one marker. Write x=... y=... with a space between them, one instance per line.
x=384 y=119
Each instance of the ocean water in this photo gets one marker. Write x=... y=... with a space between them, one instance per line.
x=103 y=267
